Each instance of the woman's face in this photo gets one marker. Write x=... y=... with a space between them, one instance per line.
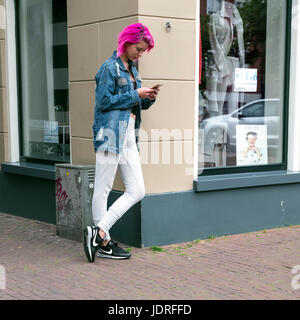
x=134 y=51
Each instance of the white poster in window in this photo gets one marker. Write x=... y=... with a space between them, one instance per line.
x=245 y=80
x=51 y=132
x=251 y=145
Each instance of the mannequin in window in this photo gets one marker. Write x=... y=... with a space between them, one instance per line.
x=225 y=29
x=228 y=53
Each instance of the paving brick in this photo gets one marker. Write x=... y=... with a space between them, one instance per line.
x=40 y=265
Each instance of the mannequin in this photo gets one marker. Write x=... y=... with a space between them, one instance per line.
x=221 y=72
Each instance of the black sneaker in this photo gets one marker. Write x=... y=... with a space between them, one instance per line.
x=92 y=242
x=112 y=251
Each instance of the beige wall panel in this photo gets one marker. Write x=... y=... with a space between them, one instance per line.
x=3 y=147
x=83 y=154
x=173 y=109
x=82 y=98
x=2 y=20
x=2 y=64
x=109 y=36
x=89 y=11
x=83 y=52
x=168 y=8
x=167 y=176
x=173 y=56
x=3 y=111
x=82 y=151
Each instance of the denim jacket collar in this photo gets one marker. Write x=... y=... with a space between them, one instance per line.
x=120 y=62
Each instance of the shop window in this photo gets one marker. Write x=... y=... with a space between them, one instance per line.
x=242 y=90
x=43 y=80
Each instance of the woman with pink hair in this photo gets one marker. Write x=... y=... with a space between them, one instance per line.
x=119 y=99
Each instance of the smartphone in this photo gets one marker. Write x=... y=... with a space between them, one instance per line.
x=157 y=86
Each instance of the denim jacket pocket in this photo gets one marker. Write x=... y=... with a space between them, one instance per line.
x=122 y=85
x=122 y=82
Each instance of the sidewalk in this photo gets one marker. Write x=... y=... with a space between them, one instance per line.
x=40 y=265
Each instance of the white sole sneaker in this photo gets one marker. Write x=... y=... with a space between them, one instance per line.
x=89 y=243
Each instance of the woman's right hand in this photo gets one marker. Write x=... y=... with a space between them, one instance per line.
x=145 y=92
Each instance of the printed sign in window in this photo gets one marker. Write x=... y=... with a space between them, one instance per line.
x=51 y=131
x=251 y=145
x=245 y=80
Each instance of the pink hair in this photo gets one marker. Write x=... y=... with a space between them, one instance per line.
x=134 y=33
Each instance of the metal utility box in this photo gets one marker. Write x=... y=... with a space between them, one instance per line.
x=74 y=186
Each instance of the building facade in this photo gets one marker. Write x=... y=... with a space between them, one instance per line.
x=219 y=148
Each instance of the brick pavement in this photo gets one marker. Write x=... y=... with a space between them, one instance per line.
x=40 y=265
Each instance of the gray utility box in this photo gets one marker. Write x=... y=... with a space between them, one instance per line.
x=74 y=186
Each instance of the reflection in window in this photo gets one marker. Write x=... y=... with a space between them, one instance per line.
x=254 y=110
x=242 y=81
x=213 y=6
x=44 y=79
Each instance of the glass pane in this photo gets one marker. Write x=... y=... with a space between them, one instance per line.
x=242 y=82
x=44 y=79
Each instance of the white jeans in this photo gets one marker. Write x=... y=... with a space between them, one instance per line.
x=130 y=169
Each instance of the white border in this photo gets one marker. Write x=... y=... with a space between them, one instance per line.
x=11 y=76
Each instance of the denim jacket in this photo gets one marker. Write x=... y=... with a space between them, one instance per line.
x=114 y=98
